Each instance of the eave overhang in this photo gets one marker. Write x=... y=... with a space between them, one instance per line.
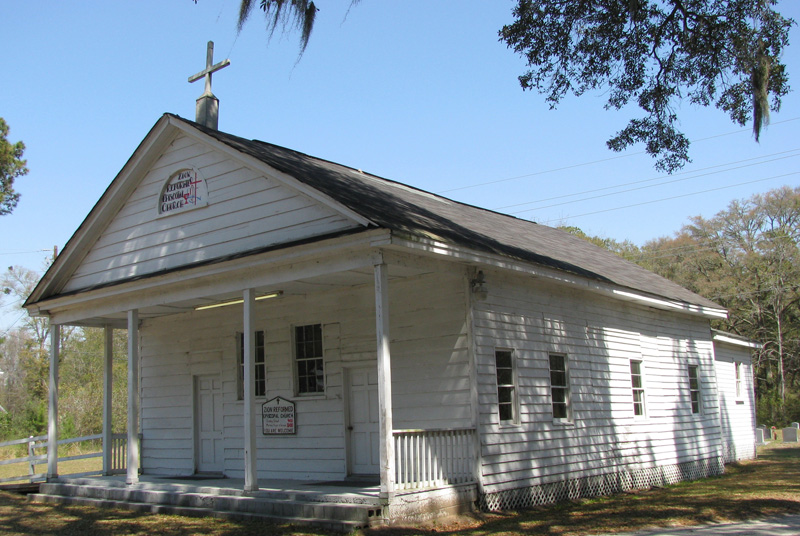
x=180 y=290
x=734 y=340
x=431 y=246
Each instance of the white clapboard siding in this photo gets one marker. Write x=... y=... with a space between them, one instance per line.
x=737 y=413
x=246 y=211
x=430 y=373
x=599 y=336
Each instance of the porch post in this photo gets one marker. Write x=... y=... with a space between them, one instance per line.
x=133 y=397
x=384 y=382
x=250 y=473
x=52 y=412
x=108 y=355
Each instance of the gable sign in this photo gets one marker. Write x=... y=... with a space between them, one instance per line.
x=184 y=190
x=278 y=417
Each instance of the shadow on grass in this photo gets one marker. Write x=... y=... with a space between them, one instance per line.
x=764 y=487
x=759 y=488
x=18 y=516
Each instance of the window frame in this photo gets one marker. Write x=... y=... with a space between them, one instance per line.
x=737 y=378
x=696 y=392
x=301 y=379
x=565 y=387
x=640 y=401
x=512 y=388
x=259 y=364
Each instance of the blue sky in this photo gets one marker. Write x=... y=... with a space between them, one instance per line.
x=416 y=91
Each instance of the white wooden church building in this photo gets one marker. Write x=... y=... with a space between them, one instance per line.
x=293 y=319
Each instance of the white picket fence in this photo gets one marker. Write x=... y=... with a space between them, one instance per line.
x=119 y=444
x=432 y=458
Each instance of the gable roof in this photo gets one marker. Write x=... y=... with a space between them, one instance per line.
x=382 y=203
x=419 y=213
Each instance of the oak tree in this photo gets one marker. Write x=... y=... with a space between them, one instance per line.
x=656 y=54
x=747 y=258
x=12 y=166
x=299 y=14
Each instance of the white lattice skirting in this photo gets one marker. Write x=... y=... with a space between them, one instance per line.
x=731 y=453
x=600 y=485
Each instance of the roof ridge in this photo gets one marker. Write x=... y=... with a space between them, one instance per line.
x=401 y=207
x=367 y=174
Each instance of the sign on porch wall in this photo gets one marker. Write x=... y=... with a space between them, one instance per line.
x=184 y=190
x=278 y=417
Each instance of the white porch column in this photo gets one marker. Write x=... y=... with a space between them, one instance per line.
x=108 y=354
x=133 y=397
x=52 y=412
x=384 y=382
x=250 y=472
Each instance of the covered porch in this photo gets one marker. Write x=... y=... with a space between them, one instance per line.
x=412 y=460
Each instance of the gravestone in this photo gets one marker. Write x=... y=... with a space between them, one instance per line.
x=790 y=435
x=796 y=425
x=760 y=436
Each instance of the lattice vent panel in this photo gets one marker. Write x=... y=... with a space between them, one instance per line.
x=732 y=453
x=728 y=452
x=599 y=485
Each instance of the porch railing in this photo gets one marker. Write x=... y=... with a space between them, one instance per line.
x=432 y=458
x=119 y=453
x=119 y=445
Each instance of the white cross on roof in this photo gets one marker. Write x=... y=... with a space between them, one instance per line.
x=210 y=68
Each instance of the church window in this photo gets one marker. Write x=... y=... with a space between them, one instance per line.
x=506 y=386
x=559 y=387
x=637 y=385
x=309 y=359
x=260 y=371
x=694 y=389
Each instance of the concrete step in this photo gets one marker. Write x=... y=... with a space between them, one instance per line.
x=277 y=494
x=228 y=505
x=330 y=524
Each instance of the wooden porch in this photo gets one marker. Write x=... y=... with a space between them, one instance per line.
x=433 y=477
x=448 y=488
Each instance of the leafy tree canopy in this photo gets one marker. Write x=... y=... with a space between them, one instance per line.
x=11 y=167
x=747 y=259
x=656 y=53
x=299 y=14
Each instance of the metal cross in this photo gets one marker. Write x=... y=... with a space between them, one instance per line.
x=207 y=72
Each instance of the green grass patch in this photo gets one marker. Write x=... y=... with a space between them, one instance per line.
x=64 y=467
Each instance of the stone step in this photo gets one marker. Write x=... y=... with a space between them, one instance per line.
x=330 y=524
x=285 y=509
x=277 y=494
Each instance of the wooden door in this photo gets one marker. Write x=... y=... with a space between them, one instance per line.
x=363 y=422
x=208 y=424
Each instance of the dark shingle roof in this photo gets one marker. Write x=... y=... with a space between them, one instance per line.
x=395 y=206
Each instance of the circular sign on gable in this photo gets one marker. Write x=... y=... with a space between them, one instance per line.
x=184 y=190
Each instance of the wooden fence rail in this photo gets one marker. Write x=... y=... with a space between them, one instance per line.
x=431 y=458
x=119 y=444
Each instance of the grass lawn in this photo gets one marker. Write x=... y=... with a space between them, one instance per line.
x=85 y=465
x=763 y=487
x=64 y=468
